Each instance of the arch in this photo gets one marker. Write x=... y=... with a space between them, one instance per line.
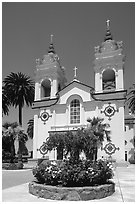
x=108 y=79
x=74 y=96
x=45 y=88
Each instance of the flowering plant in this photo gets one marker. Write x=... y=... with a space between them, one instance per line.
x=48 y=173
x=74 y=173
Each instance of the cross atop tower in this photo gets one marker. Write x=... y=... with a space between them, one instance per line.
x=51 y=47
x=108 y=24
x=51 y=39
x=108 y=33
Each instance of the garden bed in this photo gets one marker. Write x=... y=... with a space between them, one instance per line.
x=71 y=193
x=12 y=166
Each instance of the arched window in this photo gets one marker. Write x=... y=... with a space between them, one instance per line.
x=75 y=111
x=45 y=88
x=108 y=79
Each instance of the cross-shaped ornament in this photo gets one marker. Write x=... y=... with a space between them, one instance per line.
x=75 y=72
x=51 y=38
x=108 y=24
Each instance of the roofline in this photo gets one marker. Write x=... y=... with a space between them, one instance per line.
x=76 y=82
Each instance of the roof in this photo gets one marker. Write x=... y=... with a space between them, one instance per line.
x=78 y=82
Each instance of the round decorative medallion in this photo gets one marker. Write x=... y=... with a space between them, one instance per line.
x=44 y=116
x=110 y=148
x=43 y=149
x=109 y=111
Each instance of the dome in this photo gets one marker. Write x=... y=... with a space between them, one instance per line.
x=109 y=45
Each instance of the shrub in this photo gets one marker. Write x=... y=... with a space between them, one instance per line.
x=12 y=166
x=6 y=155
x=47 y=173
x=72 y=173
x=19 y=165
x=132 y=160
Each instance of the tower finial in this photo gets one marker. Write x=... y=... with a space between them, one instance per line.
x=51 y=39
x=51 y=47
x=108 y=24
x=108 y=33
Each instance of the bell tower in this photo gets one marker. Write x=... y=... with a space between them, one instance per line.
x=109 y=64
x=110 y=94
x=49 y=76
x=49 y=80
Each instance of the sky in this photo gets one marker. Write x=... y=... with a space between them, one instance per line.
x=77 y=28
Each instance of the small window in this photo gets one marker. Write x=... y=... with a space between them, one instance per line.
x=125 y=155
x=75 y=111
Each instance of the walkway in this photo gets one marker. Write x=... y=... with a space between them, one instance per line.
x=124 y=192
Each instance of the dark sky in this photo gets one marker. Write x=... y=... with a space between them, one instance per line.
x=77 y=29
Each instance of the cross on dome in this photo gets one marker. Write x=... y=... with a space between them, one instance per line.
x=108 y=24
x=51 y=39
x=51 y=47
x=108 y=35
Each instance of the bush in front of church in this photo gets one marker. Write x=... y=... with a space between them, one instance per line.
x=48 y=173
x=74 y=174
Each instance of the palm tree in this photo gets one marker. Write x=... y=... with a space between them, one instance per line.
x=14 y=132
x=20 y=89
x=94 y=136
x=131 y=99
x=8 y=131
x=56 y=141
x=5 y=102
x=30 y=128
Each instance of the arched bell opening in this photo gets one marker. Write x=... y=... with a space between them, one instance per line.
x=108 y=79
x=45 y=88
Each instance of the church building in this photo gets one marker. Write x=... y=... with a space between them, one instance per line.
x=60 y=106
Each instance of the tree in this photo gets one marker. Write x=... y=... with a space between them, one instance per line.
x=86 y=140
x=5 y=102
x=56 y=141
x=20 y=90
x=74 y=143
x=30 y=128
x=14 y=132
x=94 y=136
x=131 y=99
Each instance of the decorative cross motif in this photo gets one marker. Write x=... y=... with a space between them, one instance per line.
x=110 y=148
x=109 y=111
x=44 y=116
x=75 y=72
x=43 y=149
x=108 y=24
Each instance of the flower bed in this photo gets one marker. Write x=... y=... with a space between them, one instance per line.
x=73 y=180
x=12 y=166
x=71 y=193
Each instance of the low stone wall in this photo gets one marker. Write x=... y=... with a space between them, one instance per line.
x=71 y=193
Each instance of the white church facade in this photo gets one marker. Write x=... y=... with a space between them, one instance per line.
x=60 y=107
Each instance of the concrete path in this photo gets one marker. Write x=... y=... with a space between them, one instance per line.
x=124 y=191
x=13 y=178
